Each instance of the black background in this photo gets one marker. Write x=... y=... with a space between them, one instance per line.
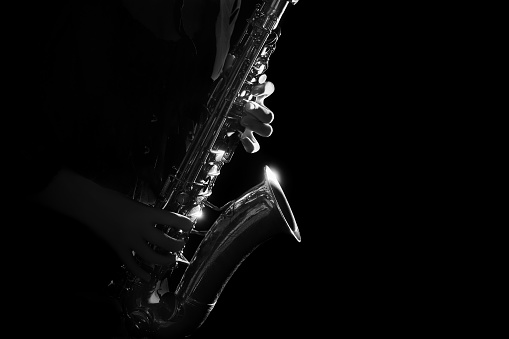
x=286 y=288
x=352 y=99
x=278 y=290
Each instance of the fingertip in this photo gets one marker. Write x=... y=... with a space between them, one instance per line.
x=270 y=88
x=270 y=130
x=250 y=146
x=177 y=220
x=264 y=89
x=247 y=144
x=166 y=259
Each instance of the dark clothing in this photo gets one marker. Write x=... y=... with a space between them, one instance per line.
x=114 y=96
x=113 y=102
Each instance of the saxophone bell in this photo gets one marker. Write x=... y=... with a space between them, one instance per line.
x=159 y=309
x=258 y=215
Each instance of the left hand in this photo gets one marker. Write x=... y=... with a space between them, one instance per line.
x=257 y=117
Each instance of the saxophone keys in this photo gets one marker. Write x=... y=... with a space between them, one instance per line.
x=195 y=212
x=183 y=198
x=218 y=154
x=214 y=171
x=179 y=257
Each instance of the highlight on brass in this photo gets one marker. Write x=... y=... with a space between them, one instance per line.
x=151 y=309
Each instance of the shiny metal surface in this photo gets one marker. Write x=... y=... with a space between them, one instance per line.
x=254 y=218
x=150 y=308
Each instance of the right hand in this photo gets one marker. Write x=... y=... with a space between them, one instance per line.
x=126 y=225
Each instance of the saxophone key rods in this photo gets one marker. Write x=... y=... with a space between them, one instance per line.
x=151 y=309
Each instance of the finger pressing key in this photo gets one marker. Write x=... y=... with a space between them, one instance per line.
x=249 y=142
x=175 y=220
x=261 y=112
x=262 y=91
x=256 y=126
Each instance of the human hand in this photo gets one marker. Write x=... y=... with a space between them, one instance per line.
x=257 y=117
x=126 y=225
x=129 y=226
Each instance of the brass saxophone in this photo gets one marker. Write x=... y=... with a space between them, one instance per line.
x=256 y=216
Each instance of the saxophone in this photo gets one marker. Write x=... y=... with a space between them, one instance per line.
x=150 y=309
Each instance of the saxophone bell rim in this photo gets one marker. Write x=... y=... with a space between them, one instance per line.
x=282 y=202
